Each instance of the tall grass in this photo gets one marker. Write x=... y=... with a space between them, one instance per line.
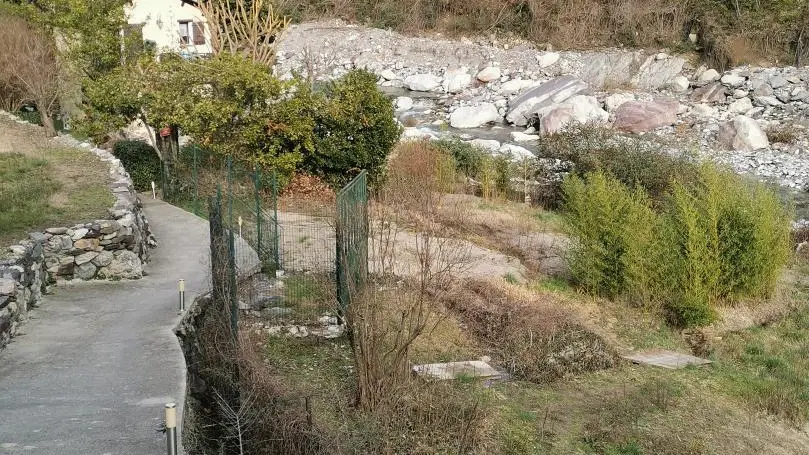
x=716 y=240
x=614 y=229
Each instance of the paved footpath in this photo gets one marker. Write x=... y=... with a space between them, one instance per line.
x=96 y=363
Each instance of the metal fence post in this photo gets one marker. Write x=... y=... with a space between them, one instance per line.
x=234 y=300
x=276 y=249
x=230 y=191
x=194 y=181
x=257 y=179
x=181 y=285
x=171 y=428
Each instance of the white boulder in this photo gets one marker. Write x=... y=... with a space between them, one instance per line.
x=612 y=102
x=547 y=59
x=741 y=106
x=744 y=134
x=404 y=103
x=488 y=74
x=388 y=75
x=679 y=84
x=518 y=136
x=423 y=82
x=474 y=116
x=733 y=80
x=456 y=80
x=537 y=101
x=709 y=75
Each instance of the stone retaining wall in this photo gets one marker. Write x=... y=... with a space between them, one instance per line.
x=112 y=248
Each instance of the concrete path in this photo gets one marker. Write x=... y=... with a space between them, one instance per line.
x=97 y=361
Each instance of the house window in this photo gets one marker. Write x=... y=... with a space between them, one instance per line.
x=185 y=32
x=199 y=33
x=192 y=33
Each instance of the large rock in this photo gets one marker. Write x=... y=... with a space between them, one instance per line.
x=125 y=265
x=388 y=75
x=103 y=259
x=85 y=257
x=518 y=136
x=578 y=109
x=109 y=227
x=86 y=244
x=639 y=117
x=657 y=72
x=404 y=103
x=456 y=80
x=539 y=100
x=778 y=81
x=488 y=74
x=612 y=102
x=7 y=286
x=679 y=84
x=710 y=75
x=515 y=86
x=711 y=94
x=547 y=59
x=741 y=106
x=86 y=271
x=490 y=145
x=474 y=116
x=600 y=69
x=744 y=134
x=423 y=82
x=733 y=80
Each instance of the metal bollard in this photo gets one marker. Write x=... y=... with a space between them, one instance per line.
x=171 y=428
x=181 y=284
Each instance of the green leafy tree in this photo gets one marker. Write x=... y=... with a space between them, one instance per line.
x=354 y=129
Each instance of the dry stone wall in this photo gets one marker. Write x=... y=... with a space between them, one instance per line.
x=112 y=248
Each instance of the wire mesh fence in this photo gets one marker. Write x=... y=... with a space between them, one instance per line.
x=284 y=249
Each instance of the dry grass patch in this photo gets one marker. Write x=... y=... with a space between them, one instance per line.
x=536 y=337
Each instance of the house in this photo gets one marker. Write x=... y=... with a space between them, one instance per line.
x=171 y=25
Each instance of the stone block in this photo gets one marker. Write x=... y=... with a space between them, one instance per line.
x=86 y=244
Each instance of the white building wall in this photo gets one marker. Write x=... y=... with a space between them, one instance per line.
x=161 y=24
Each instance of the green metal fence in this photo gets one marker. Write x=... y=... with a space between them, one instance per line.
x=352 y=239
x=294 y=264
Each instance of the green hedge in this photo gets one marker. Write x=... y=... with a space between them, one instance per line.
x=141 y=161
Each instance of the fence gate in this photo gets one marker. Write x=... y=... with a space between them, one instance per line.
x=352 y=239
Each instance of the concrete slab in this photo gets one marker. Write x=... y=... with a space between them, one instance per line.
x=453 y=370
x=666 y=359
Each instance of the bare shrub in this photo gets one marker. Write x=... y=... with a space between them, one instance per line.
x=531 y=335
x=30 y=68
x=782 y=133
x=251 y=28
x=385 y=325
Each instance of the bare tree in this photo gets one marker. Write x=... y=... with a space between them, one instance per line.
x=30 y=66
x=248 y=27
x=418 y=260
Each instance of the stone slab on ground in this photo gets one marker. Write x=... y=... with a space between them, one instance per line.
x=452 y=370
x=666 y=359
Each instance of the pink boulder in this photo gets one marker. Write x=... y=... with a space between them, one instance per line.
x=639 y=116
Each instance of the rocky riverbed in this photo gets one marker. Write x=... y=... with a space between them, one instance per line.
x=503 y=94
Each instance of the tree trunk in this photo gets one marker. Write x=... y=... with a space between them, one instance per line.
x=168 y=146
x=46 y=117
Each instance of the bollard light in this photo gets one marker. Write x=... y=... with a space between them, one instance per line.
x=181 y=285
x=171 y=428
x=154 y=193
